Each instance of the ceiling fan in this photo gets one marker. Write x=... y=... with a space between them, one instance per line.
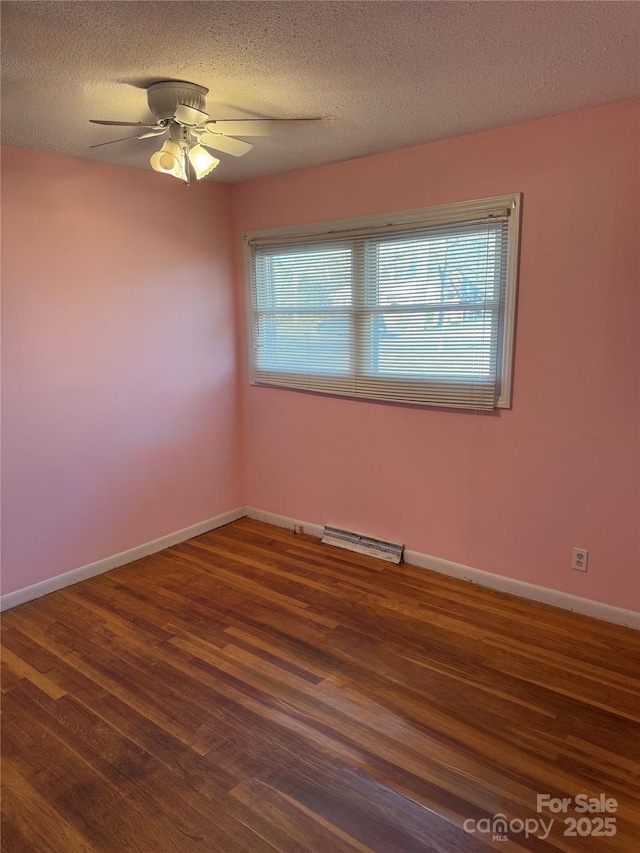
x=179 y=110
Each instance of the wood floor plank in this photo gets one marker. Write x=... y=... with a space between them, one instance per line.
x=294 y=819
x=40 y=825
x=252 y=691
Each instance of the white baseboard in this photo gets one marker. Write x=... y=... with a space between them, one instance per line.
x=284 y=521
x=36 y=590
x=564 y=600
x=545 y=595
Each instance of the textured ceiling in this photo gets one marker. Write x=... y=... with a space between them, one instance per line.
x=384 y=75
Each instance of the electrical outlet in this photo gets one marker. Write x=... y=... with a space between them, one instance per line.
x=580 y=557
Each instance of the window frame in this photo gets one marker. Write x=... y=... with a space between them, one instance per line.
x=438 y=214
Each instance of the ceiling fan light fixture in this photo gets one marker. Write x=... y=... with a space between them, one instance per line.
x=169 y=160
x=201 y=161
x=178 y=107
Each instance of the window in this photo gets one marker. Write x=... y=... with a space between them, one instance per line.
x=415 y=307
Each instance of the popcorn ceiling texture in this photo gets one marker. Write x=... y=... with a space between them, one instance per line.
x=385 y=75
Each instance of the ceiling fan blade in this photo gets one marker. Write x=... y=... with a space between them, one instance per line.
x=122 y=123
x=248 y=126
x=157 y=132
x=111 y=141
x=190 y=116
x=240 y=127
x=235 y=147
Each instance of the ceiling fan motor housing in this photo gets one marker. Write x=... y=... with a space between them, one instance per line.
x=165 y=98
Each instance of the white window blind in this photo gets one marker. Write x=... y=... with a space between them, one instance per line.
x=409 y=311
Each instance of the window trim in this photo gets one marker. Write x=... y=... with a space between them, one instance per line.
x=443 y=213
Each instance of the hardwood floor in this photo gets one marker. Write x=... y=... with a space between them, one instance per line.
x=252 y=690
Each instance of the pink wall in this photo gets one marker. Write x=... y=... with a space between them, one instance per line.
x=121 y=419
x=511 y=493
x=120 y=398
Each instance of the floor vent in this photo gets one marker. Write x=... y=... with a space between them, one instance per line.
x=389 y=551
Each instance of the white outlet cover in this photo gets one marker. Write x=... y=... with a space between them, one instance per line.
x=580 y=558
